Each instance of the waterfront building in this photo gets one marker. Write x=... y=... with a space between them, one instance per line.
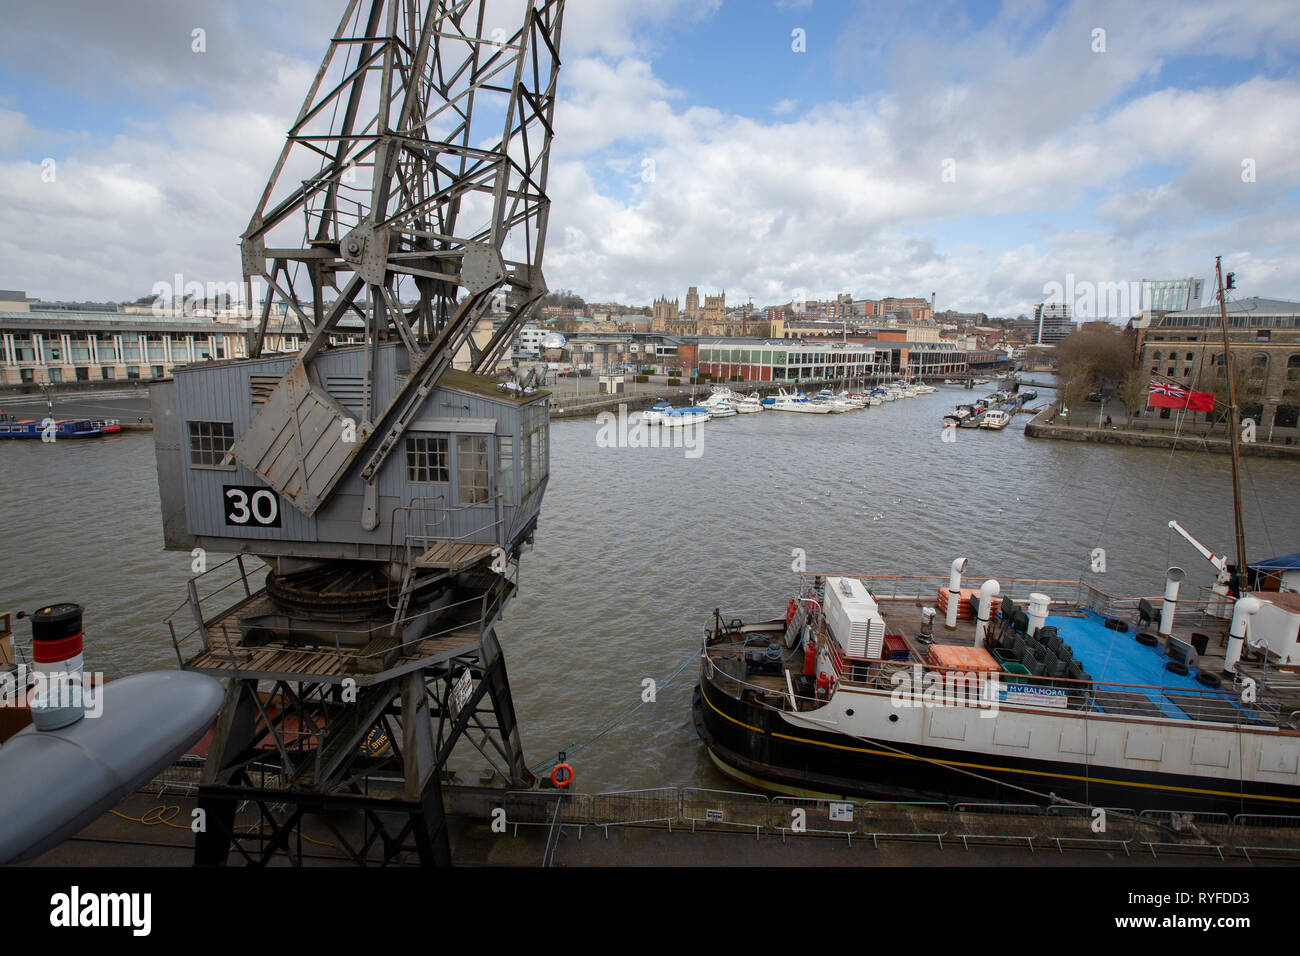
x=1171 y=295
x=43 y=348
x=42 y=345
x=1187 y=347
x=1052 y=322
x=783 y=360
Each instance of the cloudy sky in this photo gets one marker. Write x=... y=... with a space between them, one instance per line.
x=975 y=150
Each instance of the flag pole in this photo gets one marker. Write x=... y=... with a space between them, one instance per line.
x=1234 y=426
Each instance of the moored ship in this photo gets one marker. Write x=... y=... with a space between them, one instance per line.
x=52 y=429
x=1041 y=692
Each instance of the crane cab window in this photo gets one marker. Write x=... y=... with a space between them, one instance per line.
x=426 y=460
x=210 y=443
x=472 y=470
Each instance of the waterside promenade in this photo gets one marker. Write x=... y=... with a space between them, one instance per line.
x=1197 y=437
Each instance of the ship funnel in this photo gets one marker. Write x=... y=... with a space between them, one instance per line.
x=1173 y=578
x=1039 y=606
x=1237 y=632
x=954 y=593
x=989 y=590
x=56 y=700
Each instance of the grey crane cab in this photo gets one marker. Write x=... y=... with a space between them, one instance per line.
x=468 y=473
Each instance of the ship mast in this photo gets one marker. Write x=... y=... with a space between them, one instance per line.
x=1234 y=426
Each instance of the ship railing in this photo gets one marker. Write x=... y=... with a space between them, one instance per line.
x=204 y=621
x=925 y=587
x=781 y=699
x=958 y=686
x=1190 y=612
x=1073 y=592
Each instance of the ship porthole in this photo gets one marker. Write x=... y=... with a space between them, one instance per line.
x=849 y=712
x=893 y=718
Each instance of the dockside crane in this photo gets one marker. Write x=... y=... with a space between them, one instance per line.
x=386 y=482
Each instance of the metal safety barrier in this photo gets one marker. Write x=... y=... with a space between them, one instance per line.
x=1090 y=825
x=906 y=820
x=798 y=815
x=997 y=821
x=1265 y=833
x=537 y=808
x=1184 y=830
x=725 y=808
x=1078 y=826
x=620 y=808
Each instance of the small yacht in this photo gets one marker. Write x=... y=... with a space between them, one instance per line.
x=655 y=414
x=721 y=403
x=995 y=419
x=745 y=406
x=785 y=402
x=836 y=402
x=691 y=415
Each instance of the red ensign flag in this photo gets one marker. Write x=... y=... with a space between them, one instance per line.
x=1161 y=395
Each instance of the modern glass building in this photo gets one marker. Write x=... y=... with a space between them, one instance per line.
x=784 y=360
x=1171 y=295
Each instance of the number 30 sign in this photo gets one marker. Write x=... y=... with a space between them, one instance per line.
x=245 y=506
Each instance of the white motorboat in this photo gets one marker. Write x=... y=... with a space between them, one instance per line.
x=836 y=402
x=655 y=414
x=996 y=419
x=680 y=417
x=721 y=403
x=798 y=403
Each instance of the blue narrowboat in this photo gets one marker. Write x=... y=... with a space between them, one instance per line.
x=61 y=428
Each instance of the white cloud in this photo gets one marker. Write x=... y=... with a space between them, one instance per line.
x=831 y=197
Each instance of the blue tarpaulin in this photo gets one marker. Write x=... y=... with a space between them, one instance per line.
x=1287 y=562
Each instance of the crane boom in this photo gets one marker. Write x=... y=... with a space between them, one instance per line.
x=1220 y=563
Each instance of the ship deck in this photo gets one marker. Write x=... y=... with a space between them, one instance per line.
x=1127 y=678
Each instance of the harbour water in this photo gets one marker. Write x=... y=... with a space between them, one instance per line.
x=636 y=546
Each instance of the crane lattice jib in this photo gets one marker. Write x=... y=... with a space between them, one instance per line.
x=409 y=201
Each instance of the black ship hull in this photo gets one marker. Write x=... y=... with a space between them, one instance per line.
x=756 y=745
